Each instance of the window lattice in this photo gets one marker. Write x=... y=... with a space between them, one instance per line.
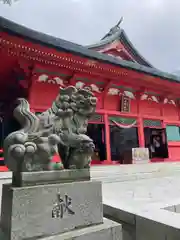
x=122 y=120
x=152 y=123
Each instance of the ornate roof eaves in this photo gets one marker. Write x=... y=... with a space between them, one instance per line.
x=66 y=46
x=121 y=36
x=105 y=40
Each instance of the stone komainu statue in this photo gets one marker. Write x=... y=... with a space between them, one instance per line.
x=61 y=129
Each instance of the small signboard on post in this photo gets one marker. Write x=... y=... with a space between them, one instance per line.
x=140 y=155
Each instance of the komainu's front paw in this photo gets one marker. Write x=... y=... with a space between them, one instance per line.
x=72 y=167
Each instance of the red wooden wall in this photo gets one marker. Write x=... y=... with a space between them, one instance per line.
x=42 y=95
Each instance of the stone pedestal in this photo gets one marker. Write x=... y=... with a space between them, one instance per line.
x=41 y=211
x=108 y=230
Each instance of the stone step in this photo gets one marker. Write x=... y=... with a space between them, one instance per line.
x=109 y=230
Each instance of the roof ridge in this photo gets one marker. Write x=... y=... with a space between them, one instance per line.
x=105 y=40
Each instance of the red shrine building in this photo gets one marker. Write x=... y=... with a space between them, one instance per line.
x=137 y=103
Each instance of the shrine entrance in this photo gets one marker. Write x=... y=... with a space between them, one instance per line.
x=156 y=142
x=97 y=133
x=122 y=141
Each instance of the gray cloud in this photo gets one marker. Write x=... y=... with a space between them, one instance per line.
x=152 y=25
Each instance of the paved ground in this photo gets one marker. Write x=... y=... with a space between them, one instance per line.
x=142 y=193
x=137 y=192
x=147 y=185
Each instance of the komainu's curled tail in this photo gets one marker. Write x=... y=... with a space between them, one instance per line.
x=29 y=149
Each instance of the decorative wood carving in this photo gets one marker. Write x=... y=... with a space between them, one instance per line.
x=129 y=94
x=113 y=91
x=149 y=97
x=54 y=80
x=169 y=101
x=116 y=91
x=93 y=87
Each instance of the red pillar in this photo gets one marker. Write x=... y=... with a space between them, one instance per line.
x=140 y=122
x=161 y=105
x=107 y=134
x=161 y=102
x=141 y=132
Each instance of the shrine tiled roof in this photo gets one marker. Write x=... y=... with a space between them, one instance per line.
x=66 y=46
x=120 y=35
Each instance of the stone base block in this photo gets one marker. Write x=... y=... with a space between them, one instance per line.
x=45 y=210
x=22 y=179
x=108 y=230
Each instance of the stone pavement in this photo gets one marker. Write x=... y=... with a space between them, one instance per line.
x=139 y=185
x=137 y=196
x=134 y=185
x=142 y=193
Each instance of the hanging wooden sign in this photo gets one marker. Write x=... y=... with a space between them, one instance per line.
x=125 y=104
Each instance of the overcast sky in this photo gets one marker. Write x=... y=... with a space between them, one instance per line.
x=153 y=26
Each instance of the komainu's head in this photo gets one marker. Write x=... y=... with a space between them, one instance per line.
x=84 y=102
